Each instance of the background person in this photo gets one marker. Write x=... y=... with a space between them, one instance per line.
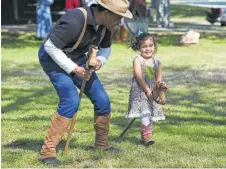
x=44 y=18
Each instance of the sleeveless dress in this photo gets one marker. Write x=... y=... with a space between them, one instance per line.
x=139 y=105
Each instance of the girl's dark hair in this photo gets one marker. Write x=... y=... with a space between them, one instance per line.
x=135 y=44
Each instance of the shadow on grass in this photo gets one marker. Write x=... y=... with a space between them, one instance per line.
x=170 y=39
x=177 y=120
x=177 y=76
x=194 y=82
x=27 y=144
x=30 y=118
x=19 y=40
x=136 y=139
x=220 y=36
x=133 y=133
x=172 y=120
x=33 y=144
x=165 y=40
x=22 y=39
x=184 y=11
x=36 y=144
x=194 y=76
x=174 y=39
x=29 y=83
x=21 y=97
x=193 y=99
x=21 y=69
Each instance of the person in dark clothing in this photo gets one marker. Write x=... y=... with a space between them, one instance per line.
x=65 y=69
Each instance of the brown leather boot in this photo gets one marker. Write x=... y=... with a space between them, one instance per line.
x=56 y=131
x=101 y=126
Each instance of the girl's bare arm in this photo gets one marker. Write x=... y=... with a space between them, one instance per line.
x=158 y=77
x=158 y=74
x=138 y=75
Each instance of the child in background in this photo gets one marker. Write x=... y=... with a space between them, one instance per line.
x=147 y=79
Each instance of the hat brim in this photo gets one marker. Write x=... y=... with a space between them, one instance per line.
x=128 y=14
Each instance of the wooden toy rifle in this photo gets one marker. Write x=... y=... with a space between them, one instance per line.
x=90 y=66
x=158 y=96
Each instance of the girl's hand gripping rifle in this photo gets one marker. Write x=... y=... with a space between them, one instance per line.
x=158 y=93
x=90 y=67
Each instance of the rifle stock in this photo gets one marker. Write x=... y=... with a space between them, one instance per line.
x=92 y=57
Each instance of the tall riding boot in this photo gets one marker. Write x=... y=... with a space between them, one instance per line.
x=56 y=131
x=146 y=132
x=101 y=127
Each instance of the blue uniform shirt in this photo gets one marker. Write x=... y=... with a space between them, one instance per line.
x=68 y=29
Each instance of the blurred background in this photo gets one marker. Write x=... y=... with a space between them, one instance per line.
x=24 y=11
x=148 y=14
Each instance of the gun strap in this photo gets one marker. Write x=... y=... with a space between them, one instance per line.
x=83 y=30
x=102 y=34
x=68 y=50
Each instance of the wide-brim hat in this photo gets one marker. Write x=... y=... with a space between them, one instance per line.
x=119 y=7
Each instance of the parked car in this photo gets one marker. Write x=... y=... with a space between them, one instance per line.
x=216 y=15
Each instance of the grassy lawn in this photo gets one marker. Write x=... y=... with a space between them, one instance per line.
x=192 y=136
x=181 y=13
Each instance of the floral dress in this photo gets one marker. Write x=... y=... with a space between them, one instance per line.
x=139 y=105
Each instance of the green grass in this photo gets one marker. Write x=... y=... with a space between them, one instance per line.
x=182 y=11
x=187 y=14
x=192 y=136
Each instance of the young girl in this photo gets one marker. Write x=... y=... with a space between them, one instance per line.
x=146 y=81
